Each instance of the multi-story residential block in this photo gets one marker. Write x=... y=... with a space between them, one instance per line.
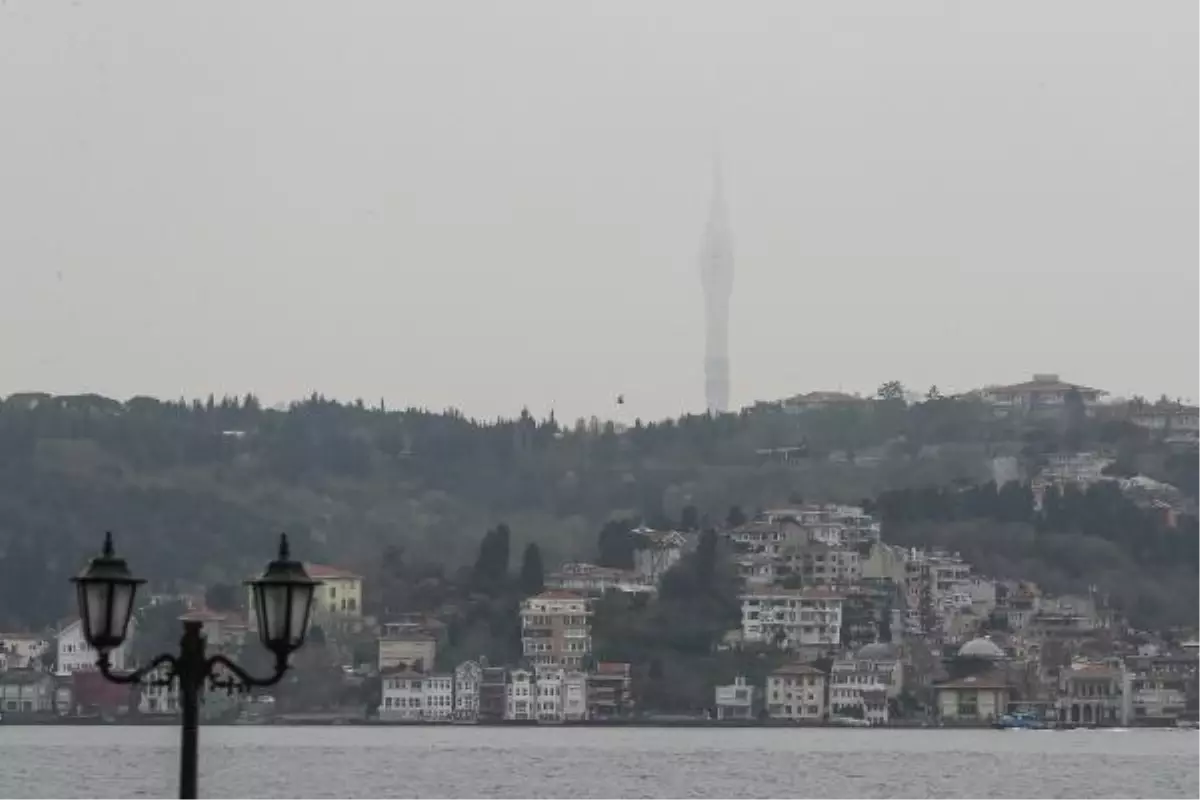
x=406 y=646
x=468 y=677
x=610 y=690
x=655 y=552
x=26 y=691
x=737 y=700
x=796 y=692
x=819 y=564
x=1045 y=395
x=22 y=650
x=595 y=581
x=74 y=654
x=792 y=618
x=522 y=695
x=556 y=629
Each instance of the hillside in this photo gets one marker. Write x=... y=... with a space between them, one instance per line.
x=196 y=492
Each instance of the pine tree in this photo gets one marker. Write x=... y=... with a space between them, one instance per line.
x=532 y=572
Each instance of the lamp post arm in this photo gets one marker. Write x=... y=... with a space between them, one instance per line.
x=138 y=676
x=241 y=679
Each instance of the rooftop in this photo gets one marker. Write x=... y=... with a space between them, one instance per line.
x=975 y=682
x=1043 y=383
x=556 y=594
x=324 y=571
x=801 y=594
x=823 y=397
x=798 y=668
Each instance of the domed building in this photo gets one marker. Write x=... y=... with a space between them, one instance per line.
x=978 y=689
x=982 y=648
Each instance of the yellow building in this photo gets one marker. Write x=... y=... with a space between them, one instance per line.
x=339 y=597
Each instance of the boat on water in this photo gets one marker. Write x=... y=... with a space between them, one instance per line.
x=849 y=722
x=1019 y=721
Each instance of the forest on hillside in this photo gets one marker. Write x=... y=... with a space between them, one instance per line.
x=196 y=492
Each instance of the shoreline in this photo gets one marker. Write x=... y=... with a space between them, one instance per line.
x=303 y=721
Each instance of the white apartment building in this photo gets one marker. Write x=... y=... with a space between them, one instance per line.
x=792 y=617
x=467 y=677
x=521 y=695
x=438 y=694
x=796 y=692
x=413 y=696
x=75 y=655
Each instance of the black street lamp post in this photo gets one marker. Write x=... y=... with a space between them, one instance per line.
x=283 y=597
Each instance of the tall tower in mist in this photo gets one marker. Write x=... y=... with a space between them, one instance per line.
x=716 y=275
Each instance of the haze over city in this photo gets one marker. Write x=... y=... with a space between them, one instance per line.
x=495 y=205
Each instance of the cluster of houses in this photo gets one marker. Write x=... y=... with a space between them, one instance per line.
x=56 y=675
x=477 y=692
x=555 y=683
x=870 y=623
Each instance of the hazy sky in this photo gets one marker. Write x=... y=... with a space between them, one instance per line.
x=488 y=204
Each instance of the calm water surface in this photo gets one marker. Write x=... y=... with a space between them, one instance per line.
x=599 y=762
